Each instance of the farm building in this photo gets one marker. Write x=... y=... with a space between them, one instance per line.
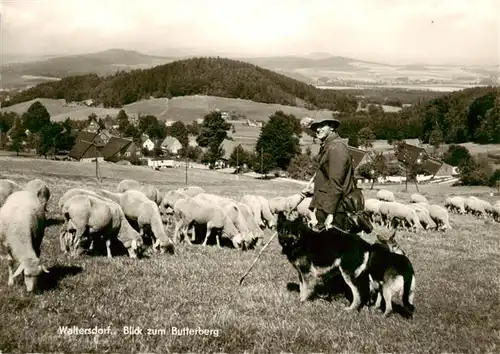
x=171 y=145
x=147 y=143
x=86 y=136
x=119 y=148
x=85 y=152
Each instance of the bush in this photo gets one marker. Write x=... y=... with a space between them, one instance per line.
x=302 y=167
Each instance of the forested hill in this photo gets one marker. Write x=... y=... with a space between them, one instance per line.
x=207 y=76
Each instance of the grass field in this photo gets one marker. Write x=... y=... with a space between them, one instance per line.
x=457 y=302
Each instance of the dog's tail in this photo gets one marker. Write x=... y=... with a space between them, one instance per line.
x=408 y=293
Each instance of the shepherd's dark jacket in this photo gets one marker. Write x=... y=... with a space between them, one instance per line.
x=334 y=177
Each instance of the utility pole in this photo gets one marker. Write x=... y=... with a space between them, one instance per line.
x=261 y=160
x=54 y=148
x=237 y=162
x=96 y=159
x=186 y=159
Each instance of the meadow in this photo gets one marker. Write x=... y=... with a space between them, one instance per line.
x=457 y=300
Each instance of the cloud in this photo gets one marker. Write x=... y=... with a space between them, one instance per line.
x=388 y=30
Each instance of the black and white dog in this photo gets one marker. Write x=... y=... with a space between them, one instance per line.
x=316 y=254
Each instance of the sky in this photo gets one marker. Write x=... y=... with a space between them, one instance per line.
x=390 y=31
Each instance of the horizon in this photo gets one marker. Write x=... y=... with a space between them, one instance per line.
x=389 y=32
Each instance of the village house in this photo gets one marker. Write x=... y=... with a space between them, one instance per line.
x=85 y=152
x=120 y=148
x=171 y=145
x=169 y=122
x=147 y=143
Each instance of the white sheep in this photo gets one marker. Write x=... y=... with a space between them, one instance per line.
x=250 y=233
x=385 y=195
x=139 y=208
x=303 y=210
x=267 y=215
x=22 y=228
x=474 y=206
x=191 y=190
x=87 y=216
x=423 y=215
x=418 y=198
x=151 y=192
x=496 y=211
x=253 y=202
x=189 y=211
x=372 y=208
x=394 y=212
x=7 y=187
x=488 y=208
x=75 y=191
x=40 y=189
x=455 y=204
x=440 y=216
x=284 y=204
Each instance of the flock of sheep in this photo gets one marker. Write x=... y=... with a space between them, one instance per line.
x=419 y=214
x=132 y=218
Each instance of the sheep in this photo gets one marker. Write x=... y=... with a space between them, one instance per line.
x=191 y=190
x=127 y=184
x=284 y=204
x=7 y=187
x=423 y=215
x=254 y=230
x=303 y=209
x=372 y=208
x=455 y=204
x=394 y=211
x=137 y=207
x=253 y=202
x=190 y=210
x=488 y=208
x=151 y=192
x=88 y=216
x=250 y=235
x=267 y=215
x=440 y=216
x=385 y=195
x=474 y=206
x=418 y=198
x=496 y=211
x=22 y=228
x=75 y=191
x=40 y=189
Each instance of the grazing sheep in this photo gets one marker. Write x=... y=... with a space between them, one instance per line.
x=284 y=204
x=150 y=192
x=7 y=187
x=385 y=195
x=171 y=197
x=496 y=211
x=372 y=208
x=22 y=228
x=455 y=204
x=418 y=198
x=138 y=208
x=253 y=202
x=253 y=229
x=423 y=215
x=127 y=184
x=474 y=206
x=250 y=235
x=87 y=216
x=40 y=189
x=75 y=191
x=440 y=216
x=267 y=215
x=488 y=208
x=191 y=190
x=394 y=212
x=189 y=211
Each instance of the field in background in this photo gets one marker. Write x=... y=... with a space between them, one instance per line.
x=456 y=296
x=185 y=109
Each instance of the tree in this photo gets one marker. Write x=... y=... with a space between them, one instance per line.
x=122 y=119
x=366 y=137
x=35 y=117
x=457 y=155
x=47 y=138
x=179 y=130
x=17 y=135
x=239 y=157
x=436 y=138
x=278 y=140
x=353 y=140
x=302 y=167
x=213 y=132
x=193 y=128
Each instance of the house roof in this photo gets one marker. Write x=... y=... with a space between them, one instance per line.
x=114 y=146
x=411 y=151
x=83 y=150
x=357 y=155
x=432 y=165
x=89 y=137
x=169 y=141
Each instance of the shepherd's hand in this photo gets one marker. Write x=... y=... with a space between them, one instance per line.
x=329 y=221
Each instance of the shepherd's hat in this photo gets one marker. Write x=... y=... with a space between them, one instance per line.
x=333 y=122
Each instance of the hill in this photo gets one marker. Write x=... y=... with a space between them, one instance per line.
x=207 y=76
x=101 y=63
